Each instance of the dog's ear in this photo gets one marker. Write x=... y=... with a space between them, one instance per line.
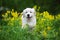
x=23 y=13
x=34 y=11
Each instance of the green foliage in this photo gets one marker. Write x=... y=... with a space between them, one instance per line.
x=47 y=27
x=52 y=6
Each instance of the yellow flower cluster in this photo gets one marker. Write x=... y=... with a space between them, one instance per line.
x=11 y=16
x=46 y=15
x=14 y=14
x=42 y=23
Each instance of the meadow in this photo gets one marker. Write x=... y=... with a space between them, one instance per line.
x=47 y=26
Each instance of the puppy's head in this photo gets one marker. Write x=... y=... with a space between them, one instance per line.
x=29 y=12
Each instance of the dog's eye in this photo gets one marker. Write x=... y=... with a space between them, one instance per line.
x=30 y=12
x=25 y=12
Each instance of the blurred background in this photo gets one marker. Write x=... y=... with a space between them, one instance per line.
x=48 y=20
x=52 y=6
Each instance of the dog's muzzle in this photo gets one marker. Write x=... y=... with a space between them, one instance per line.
x=28 y=16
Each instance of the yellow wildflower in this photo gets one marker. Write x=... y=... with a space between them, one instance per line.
x=8 y=11
x=12 y=18
x=41 y=14
x=44 y=33
x=48 y=28
x=43 y=19
x=6 y=15
x=14 y=14
x=45 y=14
x=38 y=8
x=3 y=15
x=58 y=16
x=35 y=7
x=51 y=17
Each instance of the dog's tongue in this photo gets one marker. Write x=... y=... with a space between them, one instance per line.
x=29 y=18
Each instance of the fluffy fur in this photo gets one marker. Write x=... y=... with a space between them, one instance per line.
x=29 y=17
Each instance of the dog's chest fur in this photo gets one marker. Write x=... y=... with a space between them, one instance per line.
x=31 y=22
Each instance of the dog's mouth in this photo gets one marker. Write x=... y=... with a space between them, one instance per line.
x=29 y=17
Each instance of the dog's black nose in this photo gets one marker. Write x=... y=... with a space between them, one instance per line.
x=28 y=15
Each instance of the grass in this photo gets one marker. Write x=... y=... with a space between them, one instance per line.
x=47 y=27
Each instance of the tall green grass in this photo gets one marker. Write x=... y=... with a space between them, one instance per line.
x=47 y=27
